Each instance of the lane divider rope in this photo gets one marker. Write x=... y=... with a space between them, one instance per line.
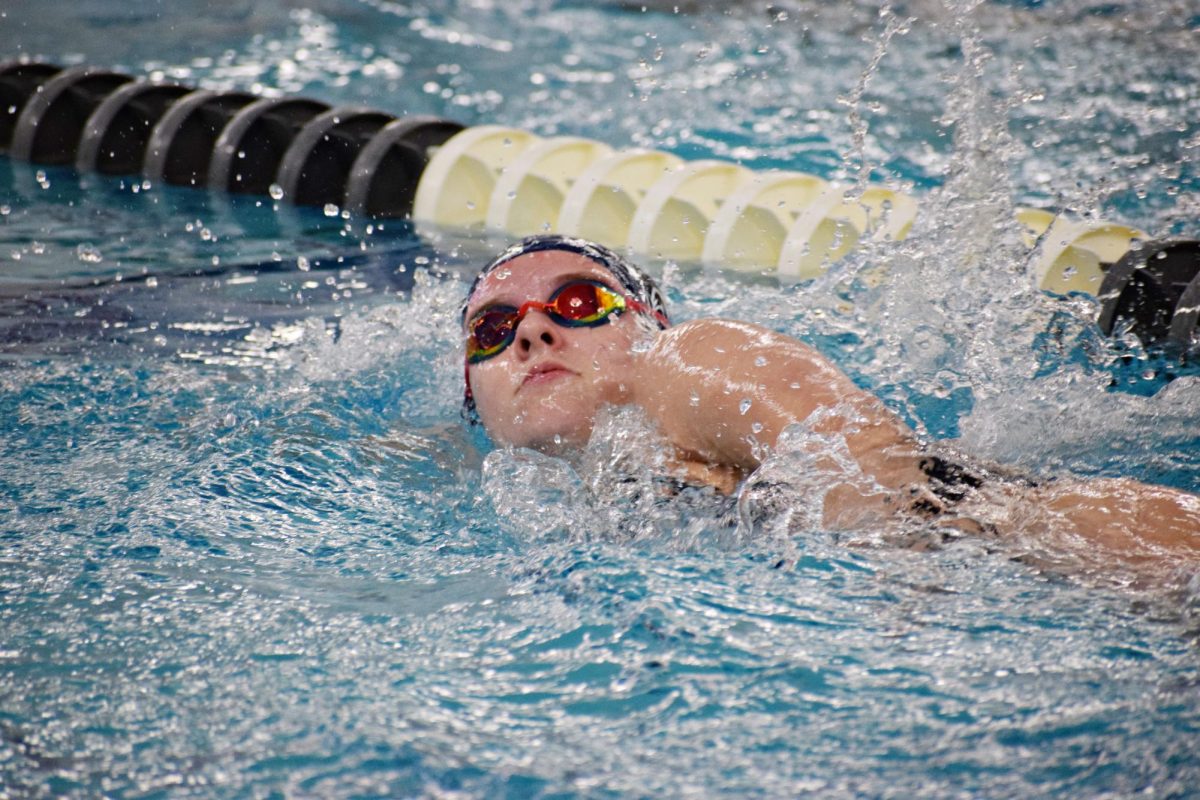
x=508 y=181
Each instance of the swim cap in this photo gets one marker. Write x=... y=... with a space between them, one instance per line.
x=633 y=279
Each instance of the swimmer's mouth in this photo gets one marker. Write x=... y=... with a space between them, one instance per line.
x=545 y=372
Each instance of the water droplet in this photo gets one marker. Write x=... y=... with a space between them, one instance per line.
x=744 y=406
x=761 y=361
x=694 y=399
x=331 y=210
x=88 y=254
x=757 y=427
x=152 y=282
x=302 y=264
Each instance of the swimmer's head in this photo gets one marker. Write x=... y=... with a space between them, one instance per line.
x=545 y=375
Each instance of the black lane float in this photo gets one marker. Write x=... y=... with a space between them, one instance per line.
x=363 y=160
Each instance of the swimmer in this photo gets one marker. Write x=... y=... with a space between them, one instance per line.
x=556 y=329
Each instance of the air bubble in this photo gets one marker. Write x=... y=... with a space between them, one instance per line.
x=276 y=191
x=331 y=210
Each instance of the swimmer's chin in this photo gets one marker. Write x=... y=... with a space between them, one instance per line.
x=560 y=444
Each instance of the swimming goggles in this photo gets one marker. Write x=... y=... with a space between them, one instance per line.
x=575 y=304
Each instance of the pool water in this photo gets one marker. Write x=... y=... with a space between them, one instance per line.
x=248 y=548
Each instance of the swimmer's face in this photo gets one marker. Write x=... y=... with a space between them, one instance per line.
x=544 y=389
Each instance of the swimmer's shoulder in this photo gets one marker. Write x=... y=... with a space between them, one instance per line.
x=714 y=342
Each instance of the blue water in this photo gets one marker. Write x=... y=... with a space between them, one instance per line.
x=247 y=548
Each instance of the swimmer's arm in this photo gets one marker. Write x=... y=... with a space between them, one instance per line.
x=723 y=391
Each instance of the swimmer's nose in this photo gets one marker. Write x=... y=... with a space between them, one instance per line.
x=537 y=331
